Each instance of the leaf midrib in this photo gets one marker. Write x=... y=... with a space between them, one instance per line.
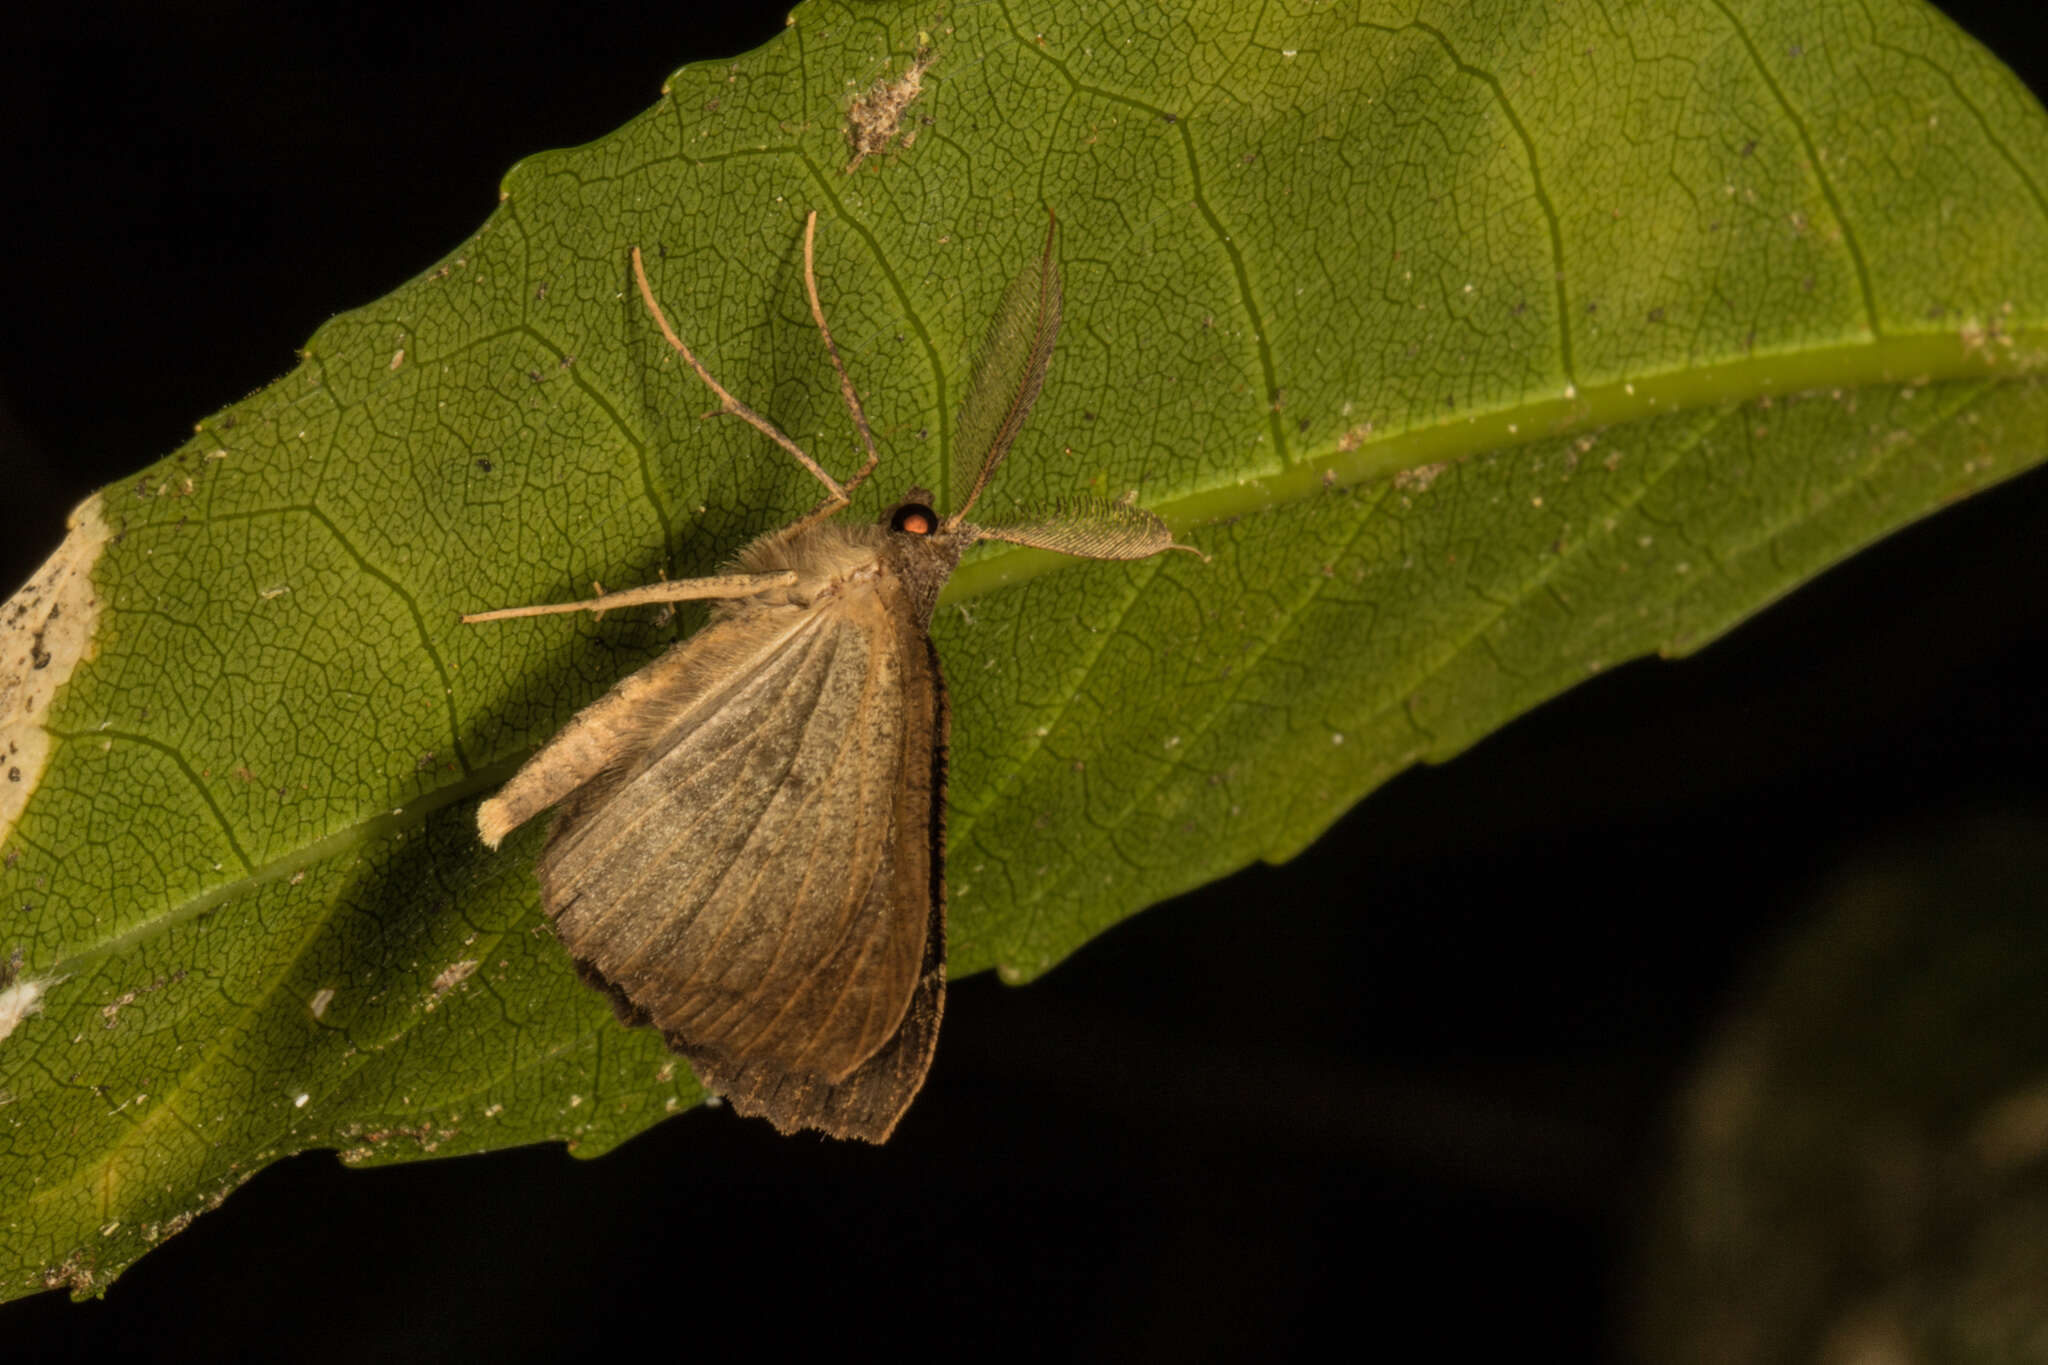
x=1360 y=456
x=1351 y=458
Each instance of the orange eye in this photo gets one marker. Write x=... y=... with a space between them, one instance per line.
x=914 y=519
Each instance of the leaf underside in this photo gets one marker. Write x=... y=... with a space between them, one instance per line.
x=1480 y=350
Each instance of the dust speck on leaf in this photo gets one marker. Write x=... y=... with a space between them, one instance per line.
x=1418 y=479
x=876 y=117
x=1354 y=438
x=451 y=977
x=74 y=1273
x=1984 y=340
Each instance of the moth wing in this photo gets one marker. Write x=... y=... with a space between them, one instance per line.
x=758 y=881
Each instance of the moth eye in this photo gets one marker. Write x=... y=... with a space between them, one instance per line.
x=914 y=519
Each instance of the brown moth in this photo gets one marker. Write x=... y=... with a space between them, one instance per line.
x=749 y=849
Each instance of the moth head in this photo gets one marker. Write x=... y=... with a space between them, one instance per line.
x=921 y=549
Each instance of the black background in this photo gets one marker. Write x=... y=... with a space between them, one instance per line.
x=1413 y=1085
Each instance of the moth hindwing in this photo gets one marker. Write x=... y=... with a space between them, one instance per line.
x=748 y=847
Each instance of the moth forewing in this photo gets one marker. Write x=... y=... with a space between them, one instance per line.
x=908 y=890
x=744 y=882
x=748 y=851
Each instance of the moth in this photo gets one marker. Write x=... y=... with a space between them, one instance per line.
x=748 y=851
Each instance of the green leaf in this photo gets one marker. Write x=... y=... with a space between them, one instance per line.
x=1482 y=348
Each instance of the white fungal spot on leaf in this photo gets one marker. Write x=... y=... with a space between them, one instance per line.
x=876 y=118
x=21 y=999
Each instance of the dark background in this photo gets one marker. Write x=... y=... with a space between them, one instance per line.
x=1416 y=1082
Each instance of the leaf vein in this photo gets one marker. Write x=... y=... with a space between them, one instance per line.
x=1247 y=296
x=1813 y=161
x=1536 y=186
x=419 y=621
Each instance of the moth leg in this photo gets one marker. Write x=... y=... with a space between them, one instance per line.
x=835 y=496
x=681 y=590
